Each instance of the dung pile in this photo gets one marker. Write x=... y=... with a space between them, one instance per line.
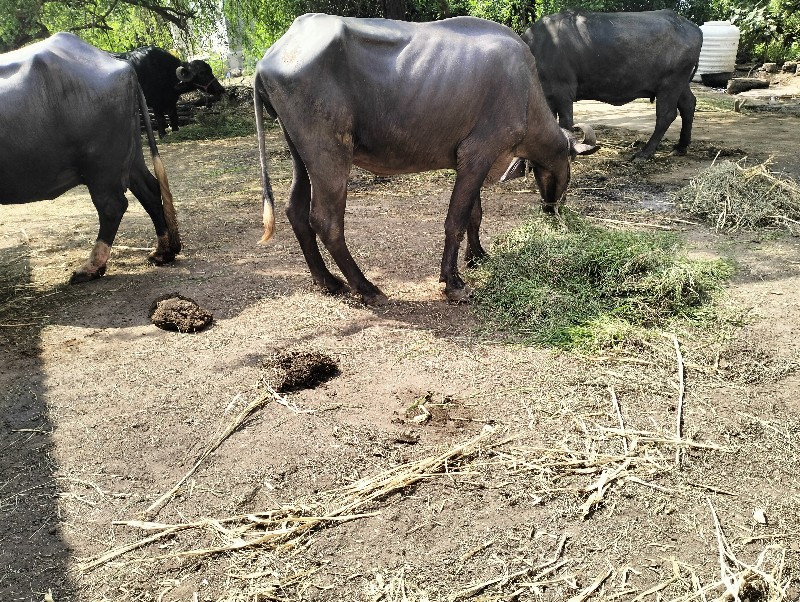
x=294 y=370
x=176 y=312
x=732 y=196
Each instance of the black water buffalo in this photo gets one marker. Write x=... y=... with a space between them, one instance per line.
x=615 y=58
x=164 y=78
x=396 y=97
x=69 y=115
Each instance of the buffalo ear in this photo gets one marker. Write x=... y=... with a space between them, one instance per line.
x=183 y=73
x=586 y=149
x=515 y=170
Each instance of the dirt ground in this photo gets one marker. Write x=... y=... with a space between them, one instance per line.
x=514 y=472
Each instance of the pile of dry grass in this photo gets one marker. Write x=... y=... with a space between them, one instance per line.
x=642 y=457
x=733 y=196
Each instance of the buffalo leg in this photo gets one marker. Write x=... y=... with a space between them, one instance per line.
x=111 y=204
x=144 y=187
x=466 y=193
x=298 y=212
x=686 y=106
x=564 y=110
x=475 y=252
x=666 y=112
x=173 y=118
x=328 y=200
x=161 y=121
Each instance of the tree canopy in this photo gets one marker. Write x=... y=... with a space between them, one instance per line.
x=770 y=28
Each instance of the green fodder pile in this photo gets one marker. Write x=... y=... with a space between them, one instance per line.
x=589 y=286
x=732 y=196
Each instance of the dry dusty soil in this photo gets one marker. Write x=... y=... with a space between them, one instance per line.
x=431 y=459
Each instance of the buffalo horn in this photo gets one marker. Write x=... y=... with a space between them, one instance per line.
x=589 y=136
x=183 y=74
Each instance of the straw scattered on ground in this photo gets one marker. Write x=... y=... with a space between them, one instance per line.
x=733 y=196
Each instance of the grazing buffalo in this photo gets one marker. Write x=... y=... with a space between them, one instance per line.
x=164 y=78
x=396 y=97
x=69 y=114
x=616 y=58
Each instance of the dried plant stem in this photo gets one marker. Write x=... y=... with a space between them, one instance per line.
x=162 y=501
x=681 y=392
x=615 y=401
x=285 y=525
x=114 y=553
x=653 y=590
x=587 y=593
x=627 y=223
x=538 y=572
x=598 y=489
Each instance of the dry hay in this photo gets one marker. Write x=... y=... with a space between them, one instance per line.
x=282 y=527
x=176 y=312
x=743 y=361
x=733 y=196
x=603 y=462
x=295 y=370
x=287 y=529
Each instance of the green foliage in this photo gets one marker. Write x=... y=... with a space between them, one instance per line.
x=109 y=24
x=589 y=286
x=258 y=23
x=769 y=30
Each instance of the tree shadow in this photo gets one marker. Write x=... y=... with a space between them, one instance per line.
x=34 y=555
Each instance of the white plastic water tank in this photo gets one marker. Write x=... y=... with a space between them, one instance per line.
x=718 y=53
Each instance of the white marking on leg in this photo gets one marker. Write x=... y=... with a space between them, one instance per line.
x=97 y=260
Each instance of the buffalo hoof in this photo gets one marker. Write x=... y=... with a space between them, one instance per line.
x=639 y=158
x=678 y=151
x=457 y=295
x=80 y=277
x=161 y=257
x=375 y=299
x=332 y=285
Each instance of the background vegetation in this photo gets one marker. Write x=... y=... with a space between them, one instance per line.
x=770 y=28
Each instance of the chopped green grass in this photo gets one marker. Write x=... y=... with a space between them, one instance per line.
x=590 y=286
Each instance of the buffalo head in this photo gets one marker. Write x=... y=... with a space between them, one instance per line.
x=198 y=74
x=552 y=181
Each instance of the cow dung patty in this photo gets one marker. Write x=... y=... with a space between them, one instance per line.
x=176 y=312
x=294 y=370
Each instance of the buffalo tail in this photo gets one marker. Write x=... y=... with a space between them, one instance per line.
x=161 y=176
x=267 y=198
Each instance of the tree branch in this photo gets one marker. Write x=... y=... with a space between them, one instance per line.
x=178 y=17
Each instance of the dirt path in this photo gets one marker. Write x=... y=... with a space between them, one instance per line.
x=776 y=133
x=102 y=412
